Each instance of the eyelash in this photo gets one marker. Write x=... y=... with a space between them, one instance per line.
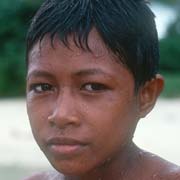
x=45 y=87
x=97 y=87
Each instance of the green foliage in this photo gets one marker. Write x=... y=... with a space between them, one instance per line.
x=170 y=49
x=14 y=20
x=170 y=54
x=170 y=45
x=172 y=85
x=170 y=60
x=172 y=2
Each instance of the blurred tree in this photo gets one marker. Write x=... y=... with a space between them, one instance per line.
x=170 y=45
x=170 y=49
x=170 y=53
x=168 y=1
x=14 y=20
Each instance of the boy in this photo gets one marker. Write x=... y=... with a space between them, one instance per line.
x=92 y=74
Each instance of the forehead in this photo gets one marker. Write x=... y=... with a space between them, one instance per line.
x=97 y=47
x=65 y=63
x=60 y=58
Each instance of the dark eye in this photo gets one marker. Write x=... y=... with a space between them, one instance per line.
x=40 y=88
x=94 y=87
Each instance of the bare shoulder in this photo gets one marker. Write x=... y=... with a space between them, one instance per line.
x=161 y=169
x=50 y=175
x=173 y=173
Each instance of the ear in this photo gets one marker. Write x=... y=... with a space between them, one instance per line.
x=148 y=95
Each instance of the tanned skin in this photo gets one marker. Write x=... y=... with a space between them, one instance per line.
x=83 y=111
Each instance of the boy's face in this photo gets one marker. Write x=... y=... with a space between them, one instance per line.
x=81 y=105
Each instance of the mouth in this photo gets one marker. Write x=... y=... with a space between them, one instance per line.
x=65 y=147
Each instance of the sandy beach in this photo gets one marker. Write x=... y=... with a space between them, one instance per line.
x=159 y=133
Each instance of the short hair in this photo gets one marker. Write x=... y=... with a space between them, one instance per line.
x=127 y=27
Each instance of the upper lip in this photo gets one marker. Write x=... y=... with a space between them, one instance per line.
x=64 y=141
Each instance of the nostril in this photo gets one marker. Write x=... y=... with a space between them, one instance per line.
x=52 y=124
x=51 y=121
x=62 y=121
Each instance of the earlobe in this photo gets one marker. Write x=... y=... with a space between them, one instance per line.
x=148 y=95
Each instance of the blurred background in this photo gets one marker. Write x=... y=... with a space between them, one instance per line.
x=159 y=132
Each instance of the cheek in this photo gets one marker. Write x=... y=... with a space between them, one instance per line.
x=37 y=114
x=114 y=122
x=111 y=128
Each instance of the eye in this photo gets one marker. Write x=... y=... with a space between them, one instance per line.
x=41 y=87
x=94 y=87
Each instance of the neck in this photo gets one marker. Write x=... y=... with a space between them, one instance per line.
x=114 y=168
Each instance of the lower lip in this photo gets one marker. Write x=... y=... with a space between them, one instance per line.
x=66 y=149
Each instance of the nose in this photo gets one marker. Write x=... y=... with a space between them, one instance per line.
x=65 y=112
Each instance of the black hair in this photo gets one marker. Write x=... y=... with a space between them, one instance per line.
x=127 y=27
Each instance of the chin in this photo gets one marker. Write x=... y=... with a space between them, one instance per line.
x=72 y=170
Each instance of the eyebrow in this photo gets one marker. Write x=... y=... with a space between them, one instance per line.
x=94 y=71
x=84 y=72
x=38 y=73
